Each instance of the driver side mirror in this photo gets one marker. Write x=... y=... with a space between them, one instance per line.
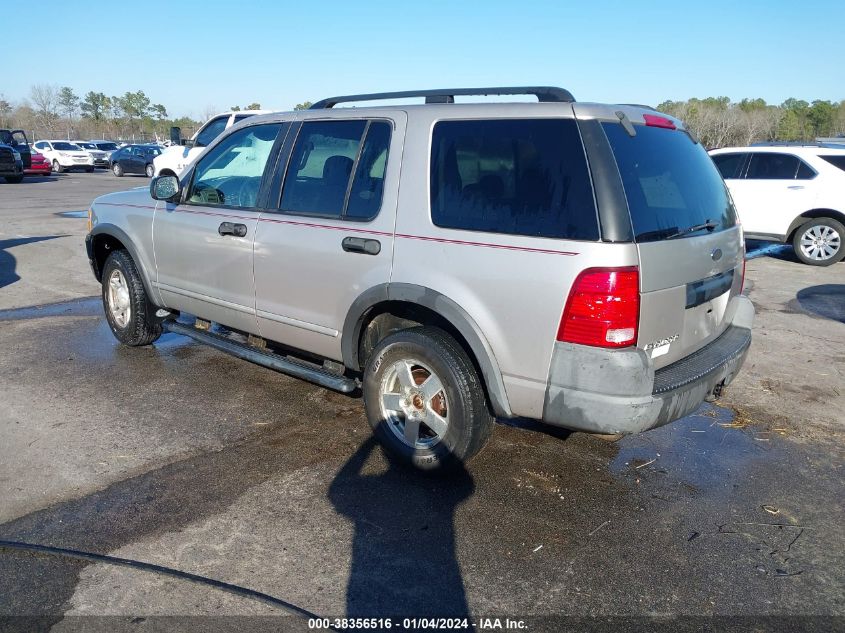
x=165 y=188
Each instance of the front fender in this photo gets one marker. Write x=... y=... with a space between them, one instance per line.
x=102 y=229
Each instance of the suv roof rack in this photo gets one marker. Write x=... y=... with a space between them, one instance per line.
x=447 y=95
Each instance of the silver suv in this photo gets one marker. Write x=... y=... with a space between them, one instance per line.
x=575 y=263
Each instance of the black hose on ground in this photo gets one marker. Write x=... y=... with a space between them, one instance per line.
x=158 y=569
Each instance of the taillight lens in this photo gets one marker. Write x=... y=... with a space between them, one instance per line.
x=603 y=308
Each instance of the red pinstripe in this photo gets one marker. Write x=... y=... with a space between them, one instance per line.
x=347 y=229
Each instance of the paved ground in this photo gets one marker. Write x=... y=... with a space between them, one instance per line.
x=180 y=456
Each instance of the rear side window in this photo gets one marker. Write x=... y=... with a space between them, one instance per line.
x=836 y=161
x=337 y=169
x=805 y=172
x=517 y=176
x=670 y=182
x=772 y=166
x=729 y=165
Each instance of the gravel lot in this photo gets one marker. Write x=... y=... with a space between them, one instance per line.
x=181 y=456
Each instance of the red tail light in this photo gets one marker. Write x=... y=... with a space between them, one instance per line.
x=603 y=308
x=658 y=121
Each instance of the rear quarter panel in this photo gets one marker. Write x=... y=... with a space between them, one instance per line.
x=513 y=287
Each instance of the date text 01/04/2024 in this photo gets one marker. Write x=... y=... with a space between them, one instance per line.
x=433 y=624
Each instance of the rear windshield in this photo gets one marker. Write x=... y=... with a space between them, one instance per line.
x=670 y=182
x=836 y=161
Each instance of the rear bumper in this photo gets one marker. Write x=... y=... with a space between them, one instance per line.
x=618 y=391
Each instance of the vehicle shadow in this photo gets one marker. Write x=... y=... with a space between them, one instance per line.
x=403 y=554
x=8 y=263
x=825 y=300
x=35 y=180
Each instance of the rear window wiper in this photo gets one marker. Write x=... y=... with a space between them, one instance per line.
x=707 y=224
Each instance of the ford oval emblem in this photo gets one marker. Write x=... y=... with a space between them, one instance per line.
x=716 y=254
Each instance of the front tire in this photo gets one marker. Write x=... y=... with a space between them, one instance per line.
x=117 y=170
x=125 y=302
x=819 y=242
x=425 y=401
x=14 y=179
x=89 y=170
x=57 y=167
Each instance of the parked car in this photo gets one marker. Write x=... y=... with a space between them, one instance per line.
x=575 y=263
x=175 y=159
x=134 y=159
x=101 y=158
x=11 y=165
x=789 y=194
x=16 y=139
x=64 y=155
x=39 y=166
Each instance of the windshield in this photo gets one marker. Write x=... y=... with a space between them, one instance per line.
x=86 y=145
x=67 y=147
x=670 y=182
x=107 y=147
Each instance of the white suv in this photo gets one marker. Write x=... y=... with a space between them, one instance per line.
x=64 y=155
x=789 y=194
x=175 y=159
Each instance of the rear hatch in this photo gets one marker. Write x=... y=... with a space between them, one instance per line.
x=690 y=246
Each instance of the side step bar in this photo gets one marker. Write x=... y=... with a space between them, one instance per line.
x=264 y=358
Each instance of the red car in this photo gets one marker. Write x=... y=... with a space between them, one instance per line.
x=40 y=166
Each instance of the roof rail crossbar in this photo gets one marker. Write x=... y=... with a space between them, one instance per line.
x=544 y=94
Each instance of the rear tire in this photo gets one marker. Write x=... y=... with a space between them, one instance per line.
x=117 y=170
x=820 y=242
x=125 y=302
x=57 y=167
x=150 y=171
x=425 y=401
x=14 y=179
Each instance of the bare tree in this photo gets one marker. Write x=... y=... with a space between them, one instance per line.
x=5 y=111
x=45 y=98
x=209 y=111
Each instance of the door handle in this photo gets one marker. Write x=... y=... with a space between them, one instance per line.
x=361 y=245
x=230 y=228
x=795 y=187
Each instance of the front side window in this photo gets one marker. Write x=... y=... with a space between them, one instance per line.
x=230 y=174
x=517 y=176
x=211 y=131
x=729 y=165
x=337 y=169
x=772 y=166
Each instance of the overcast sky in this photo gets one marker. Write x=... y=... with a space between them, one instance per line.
x=191 y=56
